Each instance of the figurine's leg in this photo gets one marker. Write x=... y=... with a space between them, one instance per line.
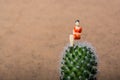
x=71 y=37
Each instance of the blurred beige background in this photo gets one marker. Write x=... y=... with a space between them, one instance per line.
x=33 y=33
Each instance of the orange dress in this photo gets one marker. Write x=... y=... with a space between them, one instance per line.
x=77 y=32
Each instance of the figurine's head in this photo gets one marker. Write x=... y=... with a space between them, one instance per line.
x=77 y=22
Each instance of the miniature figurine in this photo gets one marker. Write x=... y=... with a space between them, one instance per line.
x=76 y=33
x=77 y=30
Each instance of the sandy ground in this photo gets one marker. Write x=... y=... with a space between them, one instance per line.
x=33 y=34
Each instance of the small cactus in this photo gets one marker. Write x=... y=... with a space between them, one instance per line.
x=78 y=63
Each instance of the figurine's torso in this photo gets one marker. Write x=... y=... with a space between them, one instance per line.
x=76 y=32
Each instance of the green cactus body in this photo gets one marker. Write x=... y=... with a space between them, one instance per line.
x=78 y=63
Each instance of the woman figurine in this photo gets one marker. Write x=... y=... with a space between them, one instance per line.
x=77 y=30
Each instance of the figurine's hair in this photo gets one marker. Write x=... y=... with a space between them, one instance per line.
x=77 y=21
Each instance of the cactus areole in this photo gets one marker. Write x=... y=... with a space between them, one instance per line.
x=79 y=62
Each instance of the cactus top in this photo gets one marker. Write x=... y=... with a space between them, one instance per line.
x=79 y=63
